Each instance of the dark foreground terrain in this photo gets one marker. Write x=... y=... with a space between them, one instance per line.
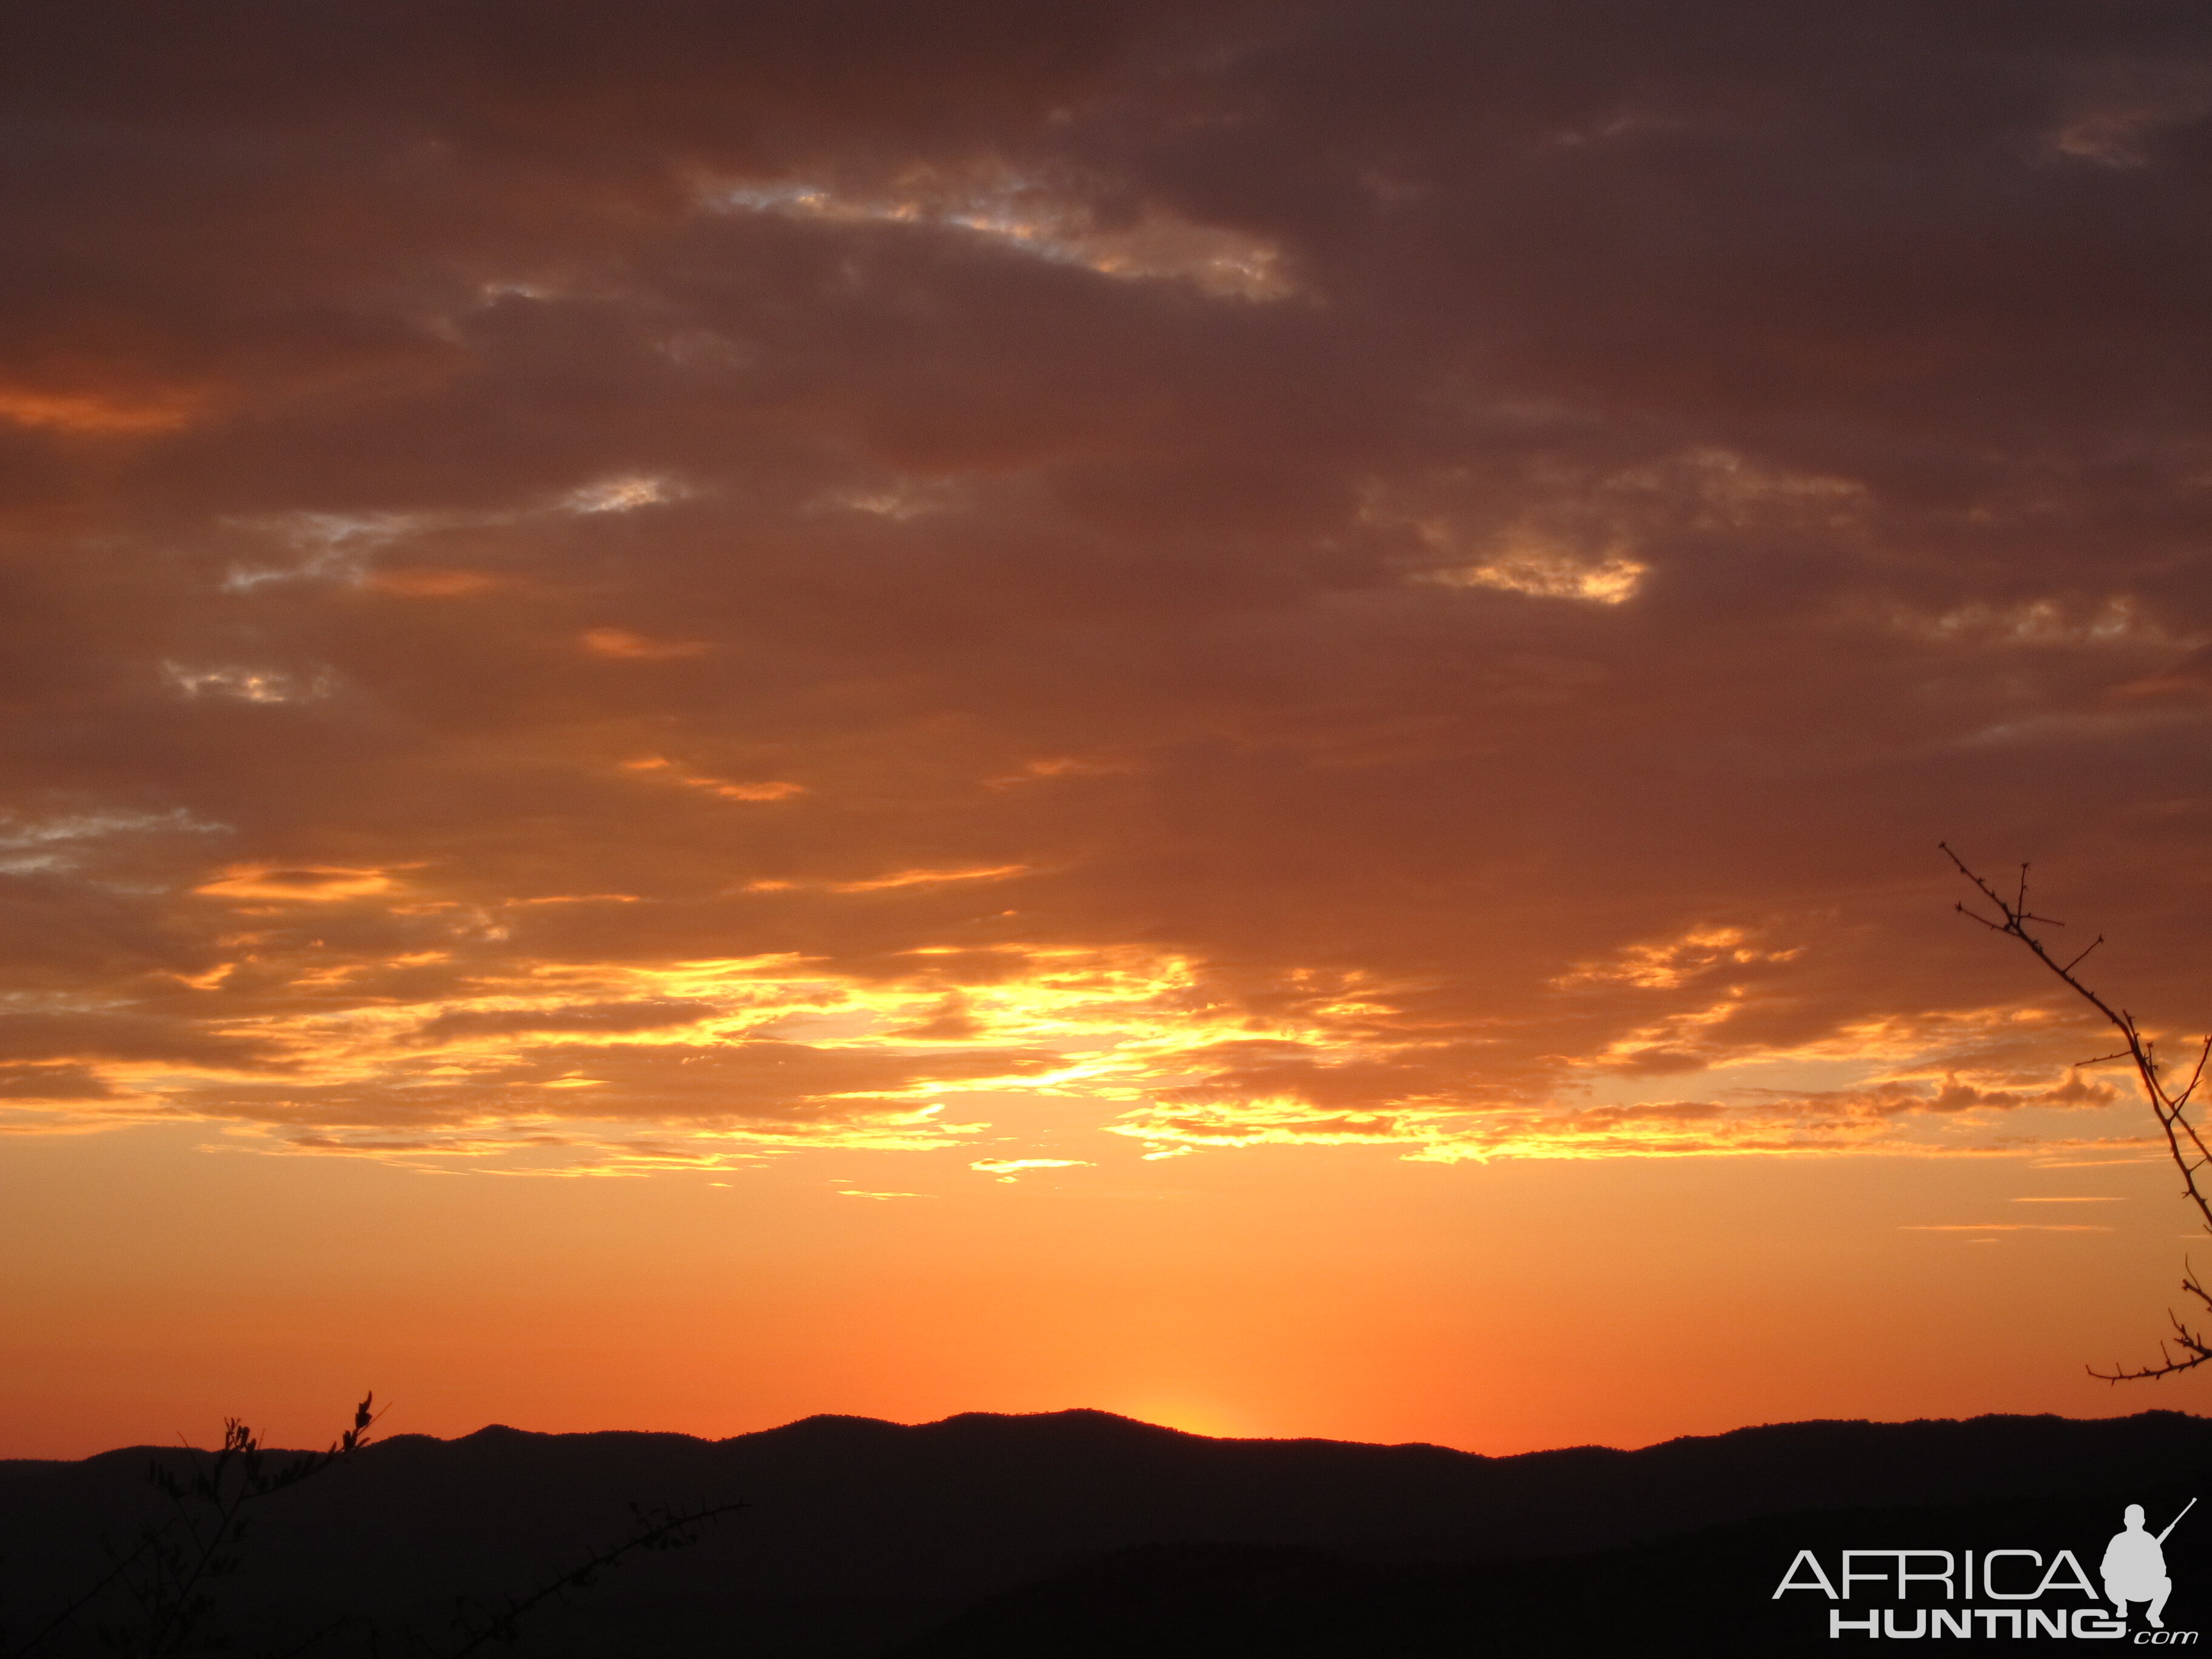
x=1082 y=1533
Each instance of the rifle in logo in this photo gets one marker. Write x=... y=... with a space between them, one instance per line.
x=2134 y=1565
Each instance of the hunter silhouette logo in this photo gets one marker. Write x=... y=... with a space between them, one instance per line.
x=2034 y=1594
x=2134 y=1565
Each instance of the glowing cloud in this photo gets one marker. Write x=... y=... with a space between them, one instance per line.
x=96 y=414
x=1007 y=1168
x=623 y=644
x=1546 y=574
x=766 y=789
x=314 y=884
x=1045 y=221
x=930 y=877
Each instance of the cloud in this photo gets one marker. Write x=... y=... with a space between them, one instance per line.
x=246 y=684
x=1999 y=1227
x=622 y=643
x=2076 y=1197
x=427 y=583
x=929 y=878
x=765 y=789
x=1544 y=574
x=1007 y=1169
x=1037 y=217
x=129 y=1040
x=94 y=413
x=1344 y=577
x=51 y=1082
x=306 y=884
x=612 y=1019
x=30 y=843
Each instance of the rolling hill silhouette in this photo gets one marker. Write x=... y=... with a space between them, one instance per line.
x=978 y=1533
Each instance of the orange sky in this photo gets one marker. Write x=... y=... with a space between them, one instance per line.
x=1238 y=714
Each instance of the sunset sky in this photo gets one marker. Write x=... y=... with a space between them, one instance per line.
x=1234 y=712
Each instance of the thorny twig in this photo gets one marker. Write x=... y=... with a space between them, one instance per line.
x=2183 y=1142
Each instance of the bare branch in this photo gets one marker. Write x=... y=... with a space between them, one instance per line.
x=2198 y=1350
x=2195 y=1073
x=662 y=1529
x=166 y=1575
x=2078 y=960
x=2184 y=1144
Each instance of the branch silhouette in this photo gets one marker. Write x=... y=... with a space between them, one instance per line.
x=476 y=1627
x=159 y=1595
x=2184 y=1144
x=167 y=1577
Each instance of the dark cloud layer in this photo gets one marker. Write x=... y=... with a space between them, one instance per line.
x=1387 y=571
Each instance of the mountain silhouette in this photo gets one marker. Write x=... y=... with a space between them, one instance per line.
x=1694 y=1596
x=860 y=1536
